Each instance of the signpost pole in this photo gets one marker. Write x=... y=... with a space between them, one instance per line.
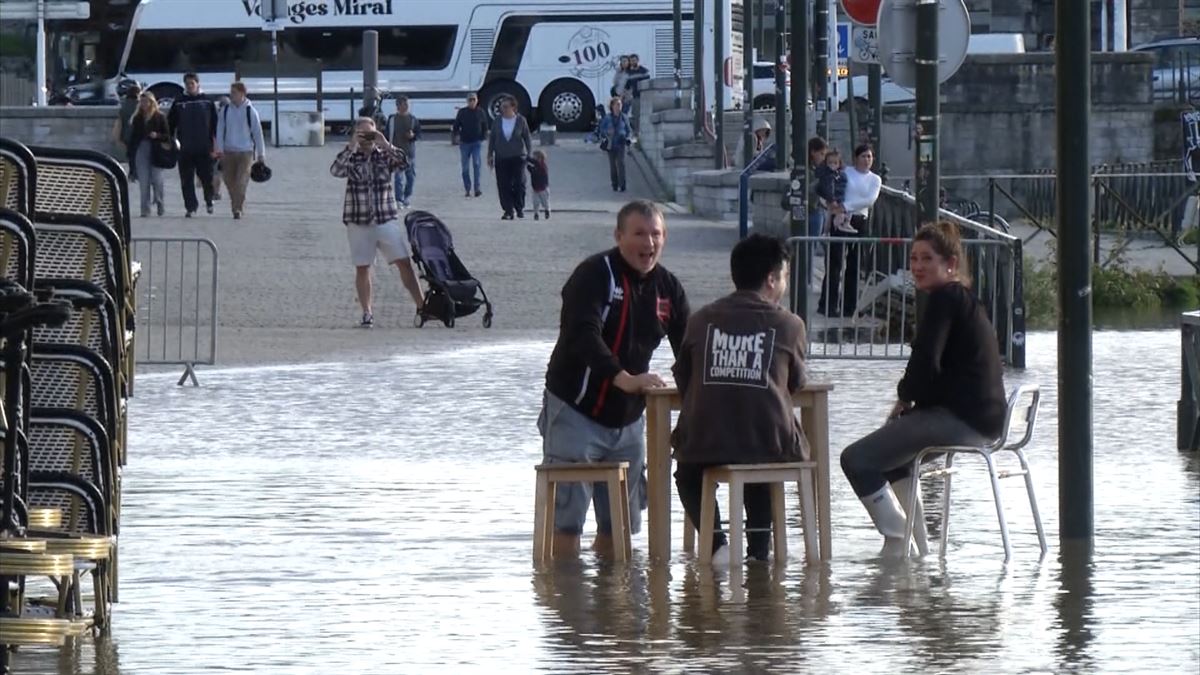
x=927 y=111
x=748 y=58
x=275 y=77
x=719 y=9
x=820 y=29
x=41 y=53
x=677 y=36
x=781 y=103
x=798 y=185
x=698 y=67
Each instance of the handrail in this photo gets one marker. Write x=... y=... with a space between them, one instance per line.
x=744 y=190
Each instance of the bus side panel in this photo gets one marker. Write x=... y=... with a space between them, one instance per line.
x=588 y=52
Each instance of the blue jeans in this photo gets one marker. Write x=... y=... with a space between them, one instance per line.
x=569 y=437
x=816 y=223
x=470 y=151
x=404 y=182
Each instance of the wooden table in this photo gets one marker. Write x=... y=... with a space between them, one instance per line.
x=813 y=402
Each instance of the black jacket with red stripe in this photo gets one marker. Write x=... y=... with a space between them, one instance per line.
x=612 y=320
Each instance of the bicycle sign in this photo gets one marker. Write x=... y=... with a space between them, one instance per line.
x=864 y=47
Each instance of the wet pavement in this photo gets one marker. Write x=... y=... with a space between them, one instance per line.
x=376 y=517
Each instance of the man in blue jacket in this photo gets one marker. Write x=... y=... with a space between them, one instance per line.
x=616 y=308
x=471 y=126
x=193 y=122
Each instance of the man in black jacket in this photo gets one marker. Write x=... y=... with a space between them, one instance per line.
x=616 y=308
x=637 y=74
x=471 y=126
x=193 y=121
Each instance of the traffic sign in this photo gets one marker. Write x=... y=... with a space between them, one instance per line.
x=864 y=47
x=865 y=12
x=898 y=39
x=843 y=41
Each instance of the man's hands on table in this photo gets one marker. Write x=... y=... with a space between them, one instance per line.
x=636 y=384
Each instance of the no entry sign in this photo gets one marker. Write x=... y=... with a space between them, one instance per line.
x=862 y=12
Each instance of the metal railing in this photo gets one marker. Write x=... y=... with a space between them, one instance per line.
x=177 y=302
x=860 y=299
x=1188 y=410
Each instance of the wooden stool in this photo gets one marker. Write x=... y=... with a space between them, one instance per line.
x=613 y=474
x=739 y=475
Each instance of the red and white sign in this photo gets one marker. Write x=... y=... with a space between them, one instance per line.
x=862 y=12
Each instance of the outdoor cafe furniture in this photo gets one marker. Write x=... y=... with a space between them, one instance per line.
x=613 y=474
x=1018 y=430
x=737 y=476
x=813 y=401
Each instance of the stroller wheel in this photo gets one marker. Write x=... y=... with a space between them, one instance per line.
x=449 y=321
x=418 y=320
x=487 y=320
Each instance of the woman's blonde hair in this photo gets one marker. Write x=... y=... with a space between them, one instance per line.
x=153 y=109
x=615 y=99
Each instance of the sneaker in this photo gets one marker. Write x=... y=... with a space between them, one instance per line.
x=208 y=208
x=237 y=215
x=406 y=202
x=468 y=194
x=161 y=210
x=547 y=214
x=506 y=216
x=622 y=189
x=478 y=193
x=368 y=320
x=185 y=215
x=535 y=215
x=720 y=556
x=520 y=213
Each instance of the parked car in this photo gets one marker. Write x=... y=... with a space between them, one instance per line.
x=764 y=85
x=1176 y=71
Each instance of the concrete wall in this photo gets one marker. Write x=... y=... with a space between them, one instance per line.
x=83 y=127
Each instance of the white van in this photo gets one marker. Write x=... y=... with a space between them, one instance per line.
x=996 y=43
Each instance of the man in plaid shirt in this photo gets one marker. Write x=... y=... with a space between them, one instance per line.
x=370 y=214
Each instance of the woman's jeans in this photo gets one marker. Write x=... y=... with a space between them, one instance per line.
x=404 y=180
x=471 y=152
x=150 y=178
x=839 y=296
x=884 y=455
x=616 y=164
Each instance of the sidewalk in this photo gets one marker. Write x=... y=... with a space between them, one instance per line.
x=286 y=288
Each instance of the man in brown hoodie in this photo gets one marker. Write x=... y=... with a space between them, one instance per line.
x=742 y=358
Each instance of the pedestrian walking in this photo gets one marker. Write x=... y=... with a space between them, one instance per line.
x=147 y=128
x=239 y=145
x=839 y=293
x=637 y=74
x=509 y=144
x=193 y=121
x=615 y=135
x=620 y=77
x=617 y=306
x=539 y=180
x=123 y=125
x=471 y=127
x=218 y=177
x=369 y=211
x=404 y=132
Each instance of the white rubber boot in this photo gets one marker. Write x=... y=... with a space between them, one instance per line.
x=903 y=488
x=888 y=516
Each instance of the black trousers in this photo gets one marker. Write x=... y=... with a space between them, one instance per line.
x=689 y=480
x=839 y=297
x=192 y=164
x=510 y=183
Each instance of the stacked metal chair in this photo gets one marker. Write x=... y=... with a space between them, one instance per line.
x=64 y=240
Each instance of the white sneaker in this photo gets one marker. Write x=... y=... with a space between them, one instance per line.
x=720 y=557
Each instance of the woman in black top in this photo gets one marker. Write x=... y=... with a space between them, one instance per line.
x=952 y=392
x=147 y=127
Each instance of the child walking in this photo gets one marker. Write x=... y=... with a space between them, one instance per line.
x=539 y=179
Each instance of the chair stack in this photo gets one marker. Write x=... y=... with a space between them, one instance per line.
x=66 y=363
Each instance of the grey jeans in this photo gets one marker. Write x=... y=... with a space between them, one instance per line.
x=150 y=178
x=884 y=455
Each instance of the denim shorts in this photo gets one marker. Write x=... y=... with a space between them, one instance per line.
x=570 y=437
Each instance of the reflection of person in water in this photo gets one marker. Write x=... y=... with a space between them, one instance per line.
x=611 y=601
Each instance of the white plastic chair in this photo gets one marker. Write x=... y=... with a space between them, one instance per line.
x=1022 y=411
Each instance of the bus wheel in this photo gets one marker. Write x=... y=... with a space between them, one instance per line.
x=492 y=94
x=568 y=105
x=166 y=93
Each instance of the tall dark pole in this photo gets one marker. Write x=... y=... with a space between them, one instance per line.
x=875 y=97
x=927 y=110
x=798 y=187
x=820 y=67
x=1072 y=37
x=748 y=82
x=371 y=72
x=719 y=9
x=698 y=65
x=677 y=34
x=852 y=111
x=275 y=78
x=781 y=132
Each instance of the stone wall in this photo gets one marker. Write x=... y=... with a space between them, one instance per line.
x=84 y=127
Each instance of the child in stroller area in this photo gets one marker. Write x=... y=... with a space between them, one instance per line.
x=539 y=180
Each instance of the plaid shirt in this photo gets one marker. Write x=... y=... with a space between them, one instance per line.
x=370 y=199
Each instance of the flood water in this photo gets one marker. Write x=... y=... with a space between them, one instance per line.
x=376 y=517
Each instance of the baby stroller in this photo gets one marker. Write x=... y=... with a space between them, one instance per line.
x=453 y=292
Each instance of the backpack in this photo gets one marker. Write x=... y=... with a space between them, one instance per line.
x=249 y=125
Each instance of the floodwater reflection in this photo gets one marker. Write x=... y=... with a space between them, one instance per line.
x=377 y=518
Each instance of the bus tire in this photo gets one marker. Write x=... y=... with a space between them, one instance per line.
x=166 y=91
x=490 y=97
x=568 y=105
x=764 y=102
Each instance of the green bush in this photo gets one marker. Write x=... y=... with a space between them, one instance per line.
x=1112 y=288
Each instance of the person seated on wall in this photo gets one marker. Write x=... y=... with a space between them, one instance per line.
x=741 y=360
x=952 y=392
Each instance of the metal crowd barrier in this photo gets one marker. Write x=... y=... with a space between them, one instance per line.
x=1188 y=424
x=177 y=302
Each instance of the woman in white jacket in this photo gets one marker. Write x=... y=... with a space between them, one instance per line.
x=839 y=297
x=239 y=144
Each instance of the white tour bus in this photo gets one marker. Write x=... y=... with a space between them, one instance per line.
x=556 y=57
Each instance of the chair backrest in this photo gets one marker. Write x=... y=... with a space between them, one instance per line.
x=92 y=324
x=62 y=440
x=18 y=177
x=83 y=182
x=82 y=248
x=1021 y=417
x=18 y=244
x=67 y=376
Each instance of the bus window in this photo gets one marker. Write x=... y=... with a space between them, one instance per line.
x=400 y=47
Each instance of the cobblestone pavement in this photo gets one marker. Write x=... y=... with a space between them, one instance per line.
x=286 y=289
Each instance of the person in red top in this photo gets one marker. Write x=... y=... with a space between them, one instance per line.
x=370 y=212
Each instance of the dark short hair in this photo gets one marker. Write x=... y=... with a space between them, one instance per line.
x=641 y=207
x=816 y=144
x=239 y=86
x=865 y=147
x=190 y=76
x=635 y=56
x=755 y=258
x=401 y=98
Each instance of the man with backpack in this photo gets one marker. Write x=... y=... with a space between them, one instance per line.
x=239 y=144
x=193 y=122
